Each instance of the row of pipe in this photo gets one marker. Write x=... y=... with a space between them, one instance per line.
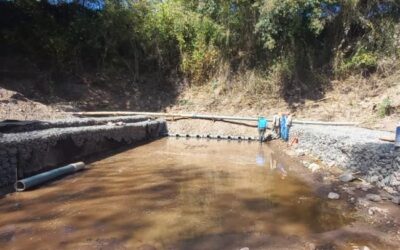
x=217 y=137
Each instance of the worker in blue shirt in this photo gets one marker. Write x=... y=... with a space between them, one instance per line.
x=262 y=127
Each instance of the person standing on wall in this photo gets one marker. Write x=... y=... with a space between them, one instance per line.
x=289 y=120
x=276 y=124
x=283 y=126
x=397 y=138
x=262 y=127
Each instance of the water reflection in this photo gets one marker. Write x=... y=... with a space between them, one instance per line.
x=281 y=170
x=260 y=158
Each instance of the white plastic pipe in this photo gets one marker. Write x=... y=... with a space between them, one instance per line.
x=210 y=117
x=35 y=180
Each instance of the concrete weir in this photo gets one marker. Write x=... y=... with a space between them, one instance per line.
x=38 y=147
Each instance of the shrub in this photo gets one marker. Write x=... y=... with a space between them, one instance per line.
x=362 y=62
x=384 y=108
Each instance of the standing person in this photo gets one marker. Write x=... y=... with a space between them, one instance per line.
x=397 y=139
x=289 y=120
x=283 y=126
x=262 y=126
x=276 y=124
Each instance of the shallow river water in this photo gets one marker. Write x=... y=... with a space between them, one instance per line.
x=173 y=194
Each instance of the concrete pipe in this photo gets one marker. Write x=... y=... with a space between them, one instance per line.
x=35 y=180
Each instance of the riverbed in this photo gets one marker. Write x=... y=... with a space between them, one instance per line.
x=178 y=194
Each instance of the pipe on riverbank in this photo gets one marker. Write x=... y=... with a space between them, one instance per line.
x=216 y=137
x=206 y=117
x=35 y=180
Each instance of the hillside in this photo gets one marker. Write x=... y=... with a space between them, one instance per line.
x=323 y=60
x=374 y=102
x=363 y=102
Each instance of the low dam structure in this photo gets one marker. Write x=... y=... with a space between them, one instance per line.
x=29 y=149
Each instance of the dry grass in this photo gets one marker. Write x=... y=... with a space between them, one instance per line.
x=356 y=98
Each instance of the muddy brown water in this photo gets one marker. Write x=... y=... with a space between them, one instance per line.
x=173 y=194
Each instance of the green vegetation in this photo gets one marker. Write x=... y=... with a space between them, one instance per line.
x=299 y=42
x=384 y=108
x=361 y=62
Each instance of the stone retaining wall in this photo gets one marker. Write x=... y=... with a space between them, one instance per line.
x=26 y=126
x=28 y=153
x=356 y=149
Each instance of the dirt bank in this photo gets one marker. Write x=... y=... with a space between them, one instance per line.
x=15 y=106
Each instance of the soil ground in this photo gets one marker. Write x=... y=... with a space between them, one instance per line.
x=15 y=106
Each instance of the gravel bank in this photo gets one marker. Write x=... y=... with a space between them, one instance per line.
x=355 y=149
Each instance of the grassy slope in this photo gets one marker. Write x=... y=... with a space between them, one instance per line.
x=354 y=99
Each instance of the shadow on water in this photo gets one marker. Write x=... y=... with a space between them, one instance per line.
x=161 y=196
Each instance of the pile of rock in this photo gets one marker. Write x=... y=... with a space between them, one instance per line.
x=355 y=149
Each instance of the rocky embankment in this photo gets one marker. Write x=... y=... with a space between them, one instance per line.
x=358 y=150
x=25 y=152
